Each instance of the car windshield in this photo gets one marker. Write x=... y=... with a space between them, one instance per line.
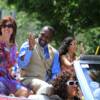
x=94 y=72
x=91 y=71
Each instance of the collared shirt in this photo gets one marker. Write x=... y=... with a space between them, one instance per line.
x=28 y=54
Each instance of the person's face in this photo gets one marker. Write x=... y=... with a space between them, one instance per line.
x=45 y=37
x=72 y=88
x=7 y=30
x=73 y=46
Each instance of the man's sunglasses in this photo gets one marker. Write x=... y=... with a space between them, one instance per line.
x=8 y=25
x=71 y=82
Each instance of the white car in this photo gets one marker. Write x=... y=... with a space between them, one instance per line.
x=87 y=70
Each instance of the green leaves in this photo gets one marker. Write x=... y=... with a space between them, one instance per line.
x=69 y=17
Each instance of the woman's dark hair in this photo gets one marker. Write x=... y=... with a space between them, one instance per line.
x=63 y=49
x=12 y=20
x=59 y=84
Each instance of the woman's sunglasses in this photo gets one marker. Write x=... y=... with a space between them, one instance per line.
x=71 y=82
x=8 y=25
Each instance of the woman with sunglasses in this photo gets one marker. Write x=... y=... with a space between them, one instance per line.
x=66 y=86
x=8 y=58
x=67 y=52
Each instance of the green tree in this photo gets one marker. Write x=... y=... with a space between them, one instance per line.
x=69 y=17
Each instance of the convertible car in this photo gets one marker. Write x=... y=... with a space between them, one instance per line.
x=87 y=70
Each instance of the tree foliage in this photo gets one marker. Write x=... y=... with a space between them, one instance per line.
x=69 y=17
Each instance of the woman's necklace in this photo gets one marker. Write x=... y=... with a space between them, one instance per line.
x=70 y=57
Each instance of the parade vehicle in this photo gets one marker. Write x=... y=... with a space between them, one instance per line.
x=87 y=70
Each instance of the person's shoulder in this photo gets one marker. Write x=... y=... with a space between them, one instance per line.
x=25 y=44
x=52 y=48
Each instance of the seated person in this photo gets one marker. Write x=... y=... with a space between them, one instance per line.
x=66 y=86
x=67 y=52
x=38 y=59
x=8 y=58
